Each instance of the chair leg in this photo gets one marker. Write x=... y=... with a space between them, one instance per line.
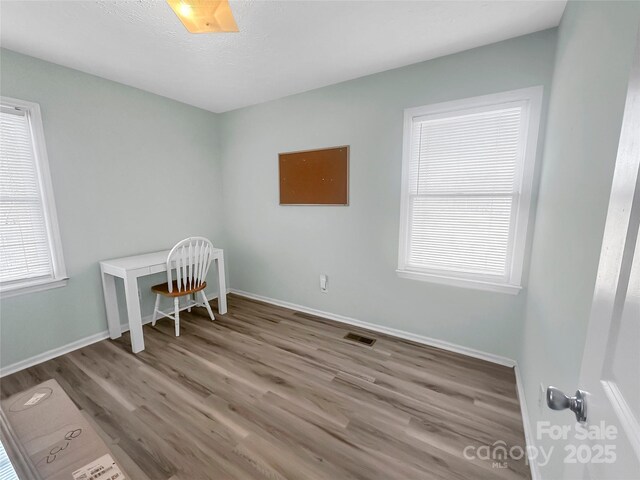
x=189 y=302
x=155 y=310
x=176 y=308
x=206 y=304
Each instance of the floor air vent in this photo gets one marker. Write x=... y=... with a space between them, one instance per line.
x=354 y=337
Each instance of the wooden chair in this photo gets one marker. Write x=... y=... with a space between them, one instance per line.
x=190 y=259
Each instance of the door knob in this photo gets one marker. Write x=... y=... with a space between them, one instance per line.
x=557 y=400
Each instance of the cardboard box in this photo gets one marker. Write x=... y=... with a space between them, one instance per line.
x=59 y=441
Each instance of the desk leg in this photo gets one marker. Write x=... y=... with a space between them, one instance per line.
x=133 y=311
x=222 y=285
x=111 y=305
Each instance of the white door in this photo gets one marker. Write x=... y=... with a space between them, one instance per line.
x=611 y=363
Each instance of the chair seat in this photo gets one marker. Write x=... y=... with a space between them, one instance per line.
x=163 y=289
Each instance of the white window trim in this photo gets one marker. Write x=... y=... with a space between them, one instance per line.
x=513 y=283
x=59 y=278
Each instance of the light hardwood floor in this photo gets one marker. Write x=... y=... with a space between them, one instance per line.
x=269 y=393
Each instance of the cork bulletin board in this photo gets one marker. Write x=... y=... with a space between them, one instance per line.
x=315 y=177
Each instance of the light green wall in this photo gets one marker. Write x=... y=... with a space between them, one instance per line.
x=595 y=48
x=132 y=172
x=125 y=162
x=280 y=252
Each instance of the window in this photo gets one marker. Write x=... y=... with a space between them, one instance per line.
x=466 y=189
x=30 y=251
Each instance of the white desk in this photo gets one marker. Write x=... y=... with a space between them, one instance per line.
x=130 y=269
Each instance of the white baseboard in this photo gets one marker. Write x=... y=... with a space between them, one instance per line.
x=414 y=337
x=70 y=347
x=529 y=436
x=83 y=342
x=53 y=353
x=508 y=362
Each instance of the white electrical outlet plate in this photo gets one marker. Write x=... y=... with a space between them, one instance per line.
x=323 y=283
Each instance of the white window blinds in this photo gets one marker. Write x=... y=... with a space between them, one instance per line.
x=25 y=251
x=463 y=174
x=7 y=472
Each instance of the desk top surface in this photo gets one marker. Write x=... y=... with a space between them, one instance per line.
x=144 y=260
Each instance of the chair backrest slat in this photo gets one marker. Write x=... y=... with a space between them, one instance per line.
x=178 y=271
x=198 y=260
x=185 y=262
x=191 y=259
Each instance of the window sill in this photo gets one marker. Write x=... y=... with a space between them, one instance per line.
x=30 y=287
x=461 y=282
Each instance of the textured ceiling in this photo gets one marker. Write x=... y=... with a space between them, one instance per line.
x=283 y=47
